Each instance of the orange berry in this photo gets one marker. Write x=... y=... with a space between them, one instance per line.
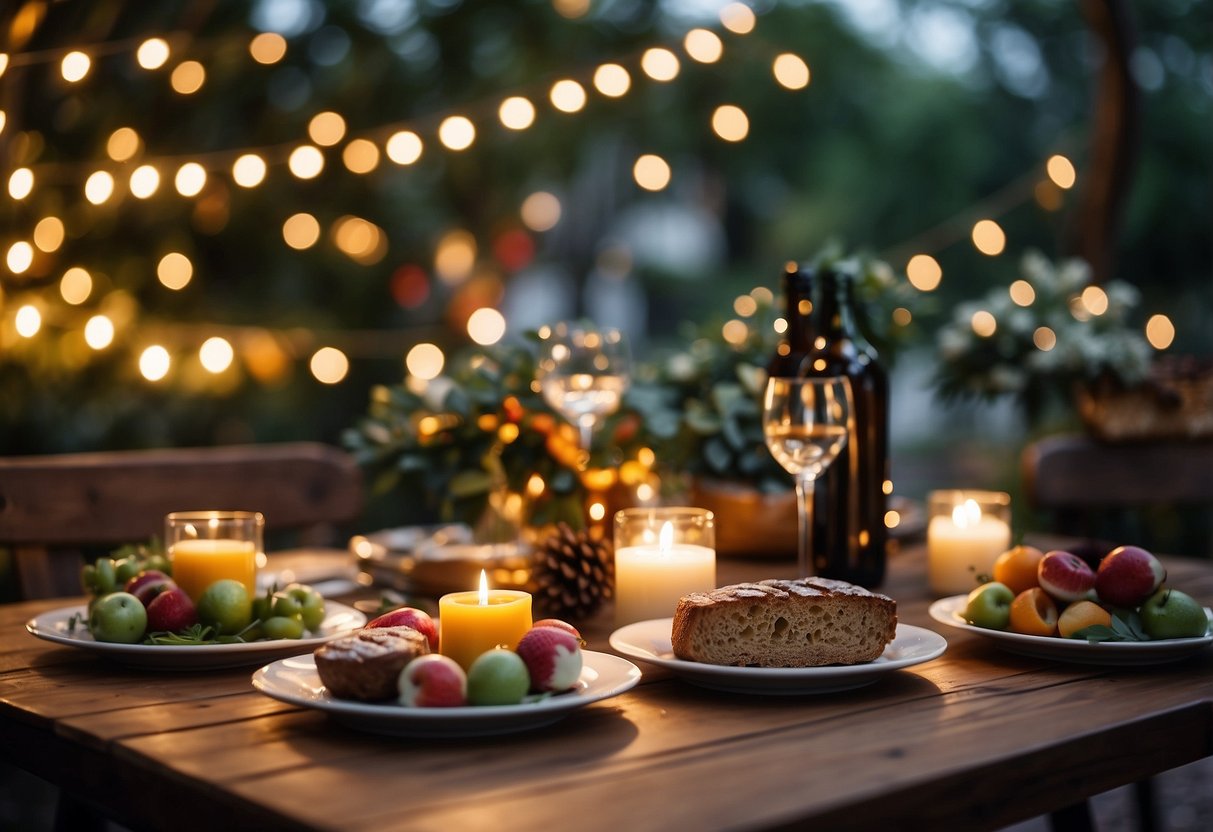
x=1080 y=615
x=1017 y=566
x=1033 y=613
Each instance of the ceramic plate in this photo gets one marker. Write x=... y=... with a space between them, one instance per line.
x=56 y=626
x=296 y=682
x=948 y=611
x=649 y=641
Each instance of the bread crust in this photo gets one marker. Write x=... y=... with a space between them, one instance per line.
x=806 y=622
x=366 y=665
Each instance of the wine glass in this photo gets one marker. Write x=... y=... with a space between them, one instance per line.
x=804 y=422
x=583 y=373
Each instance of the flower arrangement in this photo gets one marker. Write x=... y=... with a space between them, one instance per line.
x=1050 y=331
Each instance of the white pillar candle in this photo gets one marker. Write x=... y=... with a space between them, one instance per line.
x=655 y=570
x=963 y=545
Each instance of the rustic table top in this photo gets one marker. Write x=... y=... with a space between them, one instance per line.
x=977 y=738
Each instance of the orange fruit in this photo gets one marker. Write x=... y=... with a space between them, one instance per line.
x=1081 y=614
x=1033 y=613
x=1016 y=567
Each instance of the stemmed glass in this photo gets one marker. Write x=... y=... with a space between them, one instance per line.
x=804 y=422
x=583 y=373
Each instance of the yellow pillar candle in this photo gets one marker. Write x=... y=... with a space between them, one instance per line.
x=199 y=563
x=964 y=540
x=471 y=623
x=649 y=579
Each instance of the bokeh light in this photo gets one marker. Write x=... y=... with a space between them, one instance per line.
x=249 y=170
x=175 y=270
x=540 y=211
x=152 y=53
x=456 y=133
x=424 y=361
x=20 y=257
x=730 y=123
x=49 y=234
x=188 y=77
x=216 y=354
x=329 y=365
x=1095 y=299
x=99 y=187
x=1022 y=293
x=989 y=238
x=326 y=129
x=74 y=66
x=144 y=181
x=660 y=64
x=1160 y=332
x=1044 y=338
x=301 y=231
x=404 y=147
x=612 y=80
x=99 y=332
x=984 y=324
x=76 y=285
x=20 y=183
x=1061 y=171
x=154 y=363
x=306 y=161
x=28 y=321
x=267 y=48
x=924 y=273
x=455 y=256
x=516 y=112
x=738 y=18
x=703 y=45
x=360 y=156
x=486 y=326
x=651 y=172
x=790 y=71
x=122 y=144
x=190 y=179
x=567 y=96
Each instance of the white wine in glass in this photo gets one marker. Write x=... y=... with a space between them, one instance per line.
x=804 y=422
x=583 y=374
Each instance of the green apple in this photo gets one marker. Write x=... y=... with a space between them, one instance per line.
x=281 y=626
x=226 y=606
x=1169 y=613
x=118 y=617
x=498 y=677
x=989 y=606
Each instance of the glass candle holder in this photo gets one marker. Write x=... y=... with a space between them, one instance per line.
x=206 y=546
x=966 y=533
x=661 y=554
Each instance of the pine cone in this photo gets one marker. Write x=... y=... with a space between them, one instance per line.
x=573 y=574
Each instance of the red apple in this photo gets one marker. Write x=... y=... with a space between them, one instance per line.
x=148 y=584
x=1127 y=576
x=552 y=657
x=433 y=681
x=1066 y=577
x=419 y=620
x=170 y=612
x=560 y=625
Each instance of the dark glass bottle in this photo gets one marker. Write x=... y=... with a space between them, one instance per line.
x=824 y=339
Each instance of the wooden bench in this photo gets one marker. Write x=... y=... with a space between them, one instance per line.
x=51 y=507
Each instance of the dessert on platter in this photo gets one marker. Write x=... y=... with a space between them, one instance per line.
x=808 y=622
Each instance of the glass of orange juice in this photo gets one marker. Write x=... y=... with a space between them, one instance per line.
x=206 y=546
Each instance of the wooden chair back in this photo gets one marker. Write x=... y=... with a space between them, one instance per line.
x=53 y=506
x=1088 y=485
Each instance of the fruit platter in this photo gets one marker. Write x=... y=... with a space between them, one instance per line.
x=390 y=678
x=1054 y=605
x=137 y=615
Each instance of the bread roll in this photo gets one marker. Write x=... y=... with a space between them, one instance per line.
x=366 y=665
x=779 y=623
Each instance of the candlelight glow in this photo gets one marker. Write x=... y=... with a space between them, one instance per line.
x=484 y=589
x=665 y=538
x=966 y=514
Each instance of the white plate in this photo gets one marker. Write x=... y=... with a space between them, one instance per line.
x=295 y=681
x=1125 y=653
x=649 y=641
x=54 y=626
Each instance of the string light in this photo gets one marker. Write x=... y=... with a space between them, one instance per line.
x=99 y=332
x=175 y=270
x=144 y=181
x=516 y=112
x=456 y=133
x=326 y=129
x=216 y=354
x=75 y=67
x=360 y=156
x=190 y=179
x=404 y=147
x=790 y=71
x=651 y=172
x=123 y=144
x=20 y=257
x=567 y=96
x=306 y=162
x=153 y=53
x=188 y=77
x=267 y=48
x=612 y=80
x=249 y=170
x=21 y=183
x=301 y=231
x=924 y=272
x=28 y=321
x=329 y=365
x=730 y=123
x=989 y=238
x=703 y=45
x=154 y=363
x=660 y=64
x=76 y=285
x=98 y=187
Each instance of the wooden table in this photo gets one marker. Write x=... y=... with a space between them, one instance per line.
x=976 y=739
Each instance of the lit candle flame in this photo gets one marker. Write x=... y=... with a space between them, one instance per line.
x=484 y=589
x=967 y=514
x=665 y=540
